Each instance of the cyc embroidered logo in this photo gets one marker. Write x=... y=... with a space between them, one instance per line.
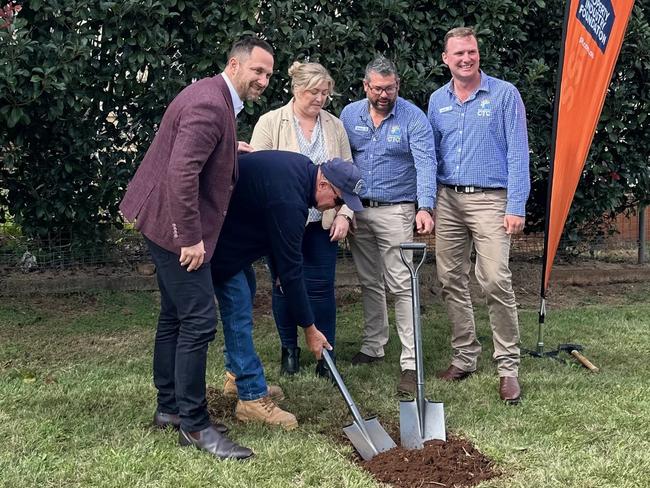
x=394 y=134
x=598 y=18
x=485 y=110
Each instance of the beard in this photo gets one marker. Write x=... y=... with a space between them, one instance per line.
x=253 y=92
x=383 y=105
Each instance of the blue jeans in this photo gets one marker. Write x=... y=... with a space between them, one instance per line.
x=249 y=272
x=319 y=271
x=186 y=325
x=236 y=309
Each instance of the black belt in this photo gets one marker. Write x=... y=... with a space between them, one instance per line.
x=471 y=189
x=373 y=203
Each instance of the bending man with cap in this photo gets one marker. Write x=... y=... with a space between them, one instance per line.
x=267 y=217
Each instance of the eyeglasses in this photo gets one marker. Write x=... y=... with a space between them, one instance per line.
x=377 y=90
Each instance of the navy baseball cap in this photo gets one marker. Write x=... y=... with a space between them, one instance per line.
x=346 y=177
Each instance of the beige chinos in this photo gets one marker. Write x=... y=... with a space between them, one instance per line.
x=375 y=250
x=462 y=220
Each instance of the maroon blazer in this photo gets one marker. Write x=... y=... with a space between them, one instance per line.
x=180 y=193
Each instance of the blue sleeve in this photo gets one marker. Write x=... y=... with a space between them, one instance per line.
x=424 y=157
x=518 y=153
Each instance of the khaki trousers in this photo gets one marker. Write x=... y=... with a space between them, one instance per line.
x=375 y=250
x=462 y=220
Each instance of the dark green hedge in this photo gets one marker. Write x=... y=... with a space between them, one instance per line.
x=83 y=84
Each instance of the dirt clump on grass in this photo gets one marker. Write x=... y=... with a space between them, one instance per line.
x=455 y=463
x=220 y=407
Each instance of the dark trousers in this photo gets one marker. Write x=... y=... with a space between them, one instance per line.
x=186 y=325
x=319 y=270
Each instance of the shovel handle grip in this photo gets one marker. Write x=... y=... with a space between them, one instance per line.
x=413 y=246
x=584 y=361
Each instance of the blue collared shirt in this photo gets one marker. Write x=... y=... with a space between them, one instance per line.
x=397 y=160
x=237 y=103
x=483 y=141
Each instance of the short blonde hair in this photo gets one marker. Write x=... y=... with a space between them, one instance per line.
x=307 y=75
x=459 y=32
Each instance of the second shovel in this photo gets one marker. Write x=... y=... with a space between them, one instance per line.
x=367 y=435
x=420 y=420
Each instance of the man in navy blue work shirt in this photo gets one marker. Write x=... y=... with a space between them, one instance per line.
x=392 y=145
x=479 y=124
x=267 y=216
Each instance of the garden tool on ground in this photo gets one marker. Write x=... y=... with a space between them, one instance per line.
x=420 y=420
x=575 y=351
x=367 y=435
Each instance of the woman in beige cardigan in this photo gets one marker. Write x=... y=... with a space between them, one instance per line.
x=303 y=126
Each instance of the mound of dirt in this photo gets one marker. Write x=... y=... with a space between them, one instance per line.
x=455 y=463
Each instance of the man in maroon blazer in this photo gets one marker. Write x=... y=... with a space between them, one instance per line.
x=178 y=198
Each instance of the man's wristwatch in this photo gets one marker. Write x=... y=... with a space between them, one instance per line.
x=428 y=210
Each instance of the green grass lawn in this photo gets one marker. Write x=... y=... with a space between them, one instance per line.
x=76 y=400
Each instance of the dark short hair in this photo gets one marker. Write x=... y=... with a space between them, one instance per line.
x=459 y=32
x=382 y=66
x=244 y=46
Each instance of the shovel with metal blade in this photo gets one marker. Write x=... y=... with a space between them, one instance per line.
x=367 y=436
x=420 y=420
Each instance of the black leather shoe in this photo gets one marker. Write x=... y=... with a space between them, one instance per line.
x=217 y=444
x=163 y=420
x=290 y=363
x=362 y=358
x=323 y=370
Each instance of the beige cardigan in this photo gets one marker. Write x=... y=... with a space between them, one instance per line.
x=274 y=130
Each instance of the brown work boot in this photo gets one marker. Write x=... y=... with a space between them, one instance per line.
x=407 y=382
x=265 y=410
x=230 y=388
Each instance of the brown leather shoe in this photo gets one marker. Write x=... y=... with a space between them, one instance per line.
x=452 y=373
x=509 y=390
x=163 y=420
x=230 y=388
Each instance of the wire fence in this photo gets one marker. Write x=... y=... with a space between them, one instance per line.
x=125 y=248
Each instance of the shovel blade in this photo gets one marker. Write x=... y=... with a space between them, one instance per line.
x=379 y=440
x=409 y=423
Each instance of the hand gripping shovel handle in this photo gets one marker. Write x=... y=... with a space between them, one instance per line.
x=358 y=419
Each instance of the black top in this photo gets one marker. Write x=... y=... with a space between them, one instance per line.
x=267 y=217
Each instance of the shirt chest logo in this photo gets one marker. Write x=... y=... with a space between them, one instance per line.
x=485 y=109
x=445 y=109
x=394 y=134
x=361 y=128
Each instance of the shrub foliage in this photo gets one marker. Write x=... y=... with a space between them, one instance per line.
x=84 y=83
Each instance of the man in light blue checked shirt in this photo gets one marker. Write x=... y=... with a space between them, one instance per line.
x=392 y=145
x=479 y=126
